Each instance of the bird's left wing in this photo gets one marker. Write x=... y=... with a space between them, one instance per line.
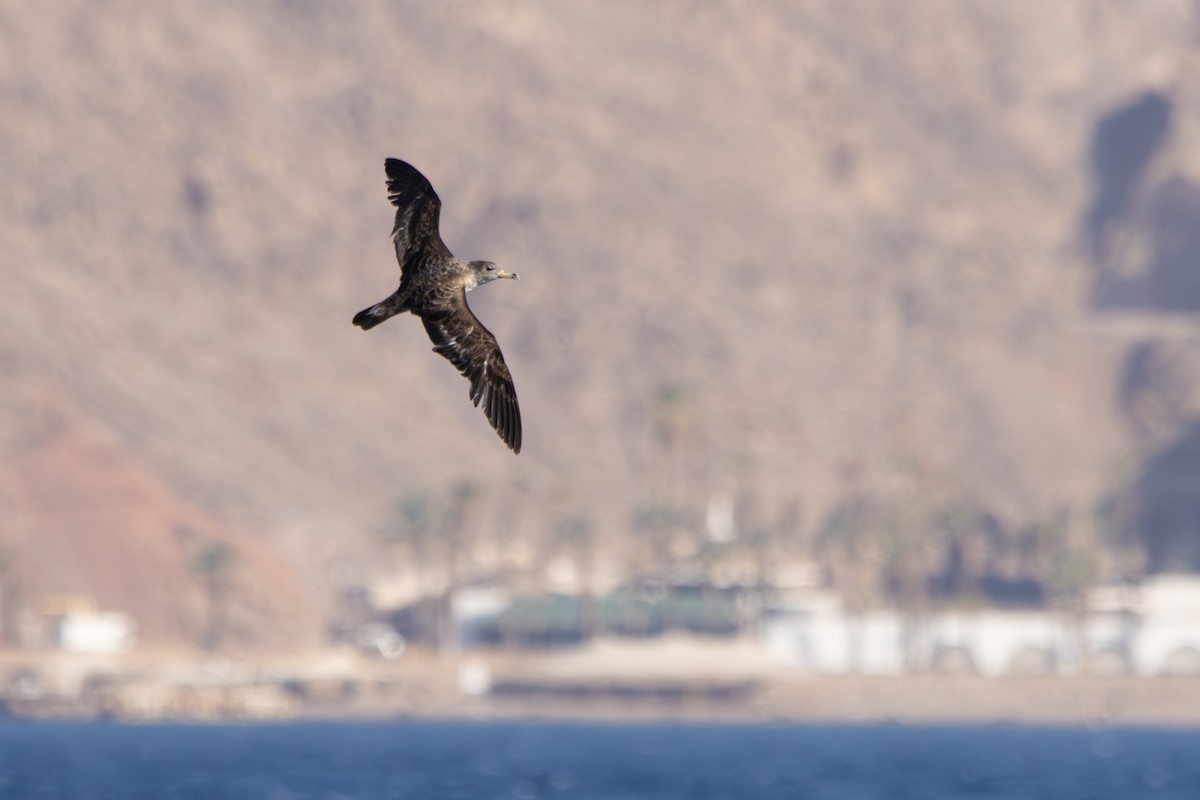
x=461 y=338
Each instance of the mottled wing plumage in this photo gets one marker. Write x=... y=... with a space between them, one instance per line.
x=459 y=337
x=418 y=210
x=433 y=286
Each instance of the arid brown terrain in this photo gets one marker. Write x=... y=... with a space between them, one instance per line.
x=782 y=253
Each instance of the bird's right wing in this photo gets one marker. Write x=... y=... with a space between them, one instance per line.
x=460 y=337
x=418 y=209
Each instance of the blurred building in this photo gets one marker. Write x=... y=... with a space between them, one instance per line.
x=1149 y=630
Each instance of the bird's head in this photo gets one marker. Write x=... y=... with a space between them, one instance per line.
x=486 y=272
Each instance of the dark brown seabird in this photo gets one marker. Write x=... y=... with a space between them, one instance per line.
x=434 y=285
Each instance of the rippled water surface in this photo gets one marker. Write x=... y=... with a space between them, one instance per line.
x=536 y=760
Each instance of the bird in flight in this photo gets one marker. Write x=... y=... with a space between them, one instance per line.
x=434 y=285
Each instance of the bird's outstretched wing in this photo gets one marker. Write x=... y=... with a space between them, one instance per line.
x=418 y=209
x=464 y=342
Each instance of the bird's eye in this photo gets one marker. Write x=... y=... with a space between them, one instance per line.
x=491 y=267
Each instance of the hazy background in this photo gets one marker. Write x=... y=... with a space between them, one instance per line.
x=936 y=262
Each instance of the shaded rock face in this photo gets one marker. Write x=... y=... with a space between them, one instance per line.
x=1158 y=390
x=1169 y=501
x=1168 y=280
x=1143 y=231
x=1159 y=398
x=1174 y=270
x=1123 y=143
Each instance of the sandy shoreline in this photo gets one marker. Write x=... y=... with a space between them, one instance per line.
x=908 y=700
x=340 y=686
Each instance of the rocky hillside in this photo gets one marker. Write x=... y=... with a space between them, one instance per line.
x=767 y=250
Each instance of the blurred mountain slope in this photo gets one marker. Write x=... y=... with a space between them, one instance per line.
x=843 y=233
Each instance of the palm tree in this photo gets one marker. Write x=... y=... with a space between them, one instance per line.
x=212 y=561
x=876 y=551
x=1069 y=566
x=657 y=526
x=10 y=599
x=454 y=536
x=847 y=543
x=410 y=527
x=673 y=424
x=575 y=532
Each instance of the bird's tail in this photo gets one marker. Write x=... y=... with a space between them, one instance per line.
x=380 y=312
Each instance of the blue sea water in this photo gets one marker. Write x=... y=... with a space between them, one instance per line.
x=527 y=761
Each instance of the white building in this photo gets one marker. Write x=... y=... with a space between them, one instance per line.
x=97 y=632
x=1167 y=610
x=1153 y=629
